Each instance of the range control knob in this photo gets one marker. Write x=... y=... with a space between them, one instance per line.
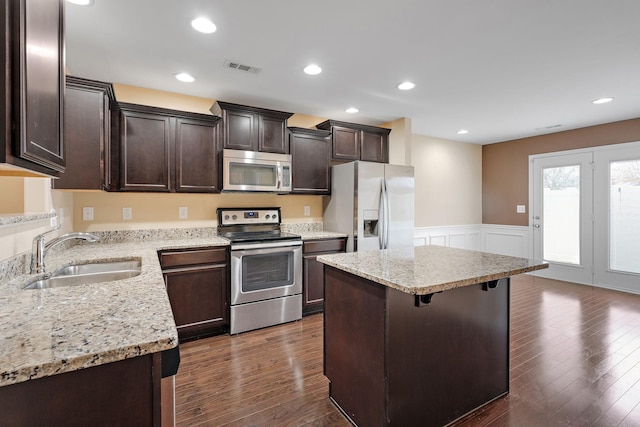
x=267 y=216
x=226 y=217
x=274 y=216
x=234 y=217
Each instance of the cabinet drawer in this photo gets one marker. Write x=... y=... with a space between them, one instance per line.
x=331 y=245
x=193 y=257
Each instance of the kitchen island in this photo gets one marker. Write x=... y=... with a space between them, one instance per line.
x=417 y=336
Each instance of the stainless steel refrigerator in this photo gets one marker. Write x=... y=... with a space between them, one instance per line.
x=373 y=203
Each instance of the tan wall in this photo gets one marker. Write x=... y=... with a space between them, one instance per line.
x=448 y=182
x=400 y=141
x=161 y=210
x=12 y=199
x=505 y=165
x=37 y=197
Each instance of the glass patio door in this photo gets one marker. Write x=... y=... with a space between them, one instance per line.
x=617 y=238
x=562 y=213
x=586 y=215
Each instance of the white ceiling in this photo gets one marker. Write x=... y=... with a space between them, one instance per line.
x=499 y=68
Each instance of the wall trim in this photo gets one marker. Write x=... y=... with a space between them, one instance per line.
x=510 y=240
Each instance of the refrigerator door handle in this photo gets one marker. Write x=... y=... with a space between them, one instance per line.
x=381 y=216
x=386 y=214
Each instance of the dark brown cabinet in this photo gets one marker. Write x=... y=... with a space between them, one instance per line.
x=32 y=78
x=252 y=128
x=123 y=393
x=351 y=141
x=167 y=150
x=197 y=284
x=313 y=271
x=311 y=161
x=87 y=135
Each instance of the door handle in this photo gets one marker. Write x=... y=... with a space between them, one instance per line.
x=536 y=225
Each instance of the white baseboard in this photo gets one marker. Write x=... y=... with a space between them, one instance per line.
x=499 y=239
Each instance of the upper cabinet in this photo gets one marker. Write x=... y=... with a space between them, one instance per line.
x=311 y=160
x=87 y=135
x=252 y=128
x=351 y=141
x=32 y=75
x=166 y=150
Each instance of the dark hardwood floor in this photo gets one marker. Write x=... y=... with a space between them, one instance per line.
x=575 y=360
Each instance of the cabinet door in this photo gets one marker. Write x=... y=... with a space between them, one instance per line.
x=240 y=130
x=313 y=272
x=38 y=65
x=145 y=152
x=374 y=147
x=272 y=135
x=313 y=284
x=346 y=143
x=310 y=164
x=196 y=156
x=87 y=139
x=198 y=297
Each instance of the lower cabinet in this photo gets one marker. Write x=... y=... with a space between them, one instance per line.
x=123 y=393
x=197 y=284
x=313 y=272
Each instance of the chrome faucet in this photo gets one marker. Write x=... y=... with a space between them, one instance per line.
x=39 y=249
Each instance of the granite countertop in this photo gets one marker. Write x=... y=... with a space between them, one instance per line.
x=427 y=269
x=320 y=235
x=57 y=330
x=12 y=219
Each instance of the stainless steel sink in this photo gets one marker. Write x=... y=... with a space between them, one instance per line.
x=82 y=274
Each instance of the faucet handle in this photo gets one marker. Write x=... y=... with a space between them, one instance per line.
x=41 y=235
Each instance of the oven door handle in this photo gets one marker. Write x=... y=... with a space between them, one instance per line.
x=284 y=244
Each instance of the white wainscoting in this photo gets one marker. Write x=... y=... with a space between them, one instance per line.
x=498 y=239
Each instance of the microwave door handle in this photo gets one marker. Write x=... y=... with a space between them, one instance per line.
x=279 y=177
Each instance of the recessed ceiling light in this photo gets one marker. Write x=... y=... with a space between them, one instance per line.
x=462 y=132
x=81 y=2
x=312 y=69
x=406 y=86
x=352 y=110
x=185 y=77
x=204 y=25
x=602 y=100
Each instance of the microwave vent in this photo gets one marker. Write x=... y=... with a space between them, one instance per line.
x=242 y=67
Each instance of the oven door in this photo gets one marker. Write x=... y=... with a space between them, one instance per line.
x=265 y=271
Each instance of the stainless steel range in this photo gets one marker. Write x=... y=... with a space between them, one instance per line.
x=266 y=268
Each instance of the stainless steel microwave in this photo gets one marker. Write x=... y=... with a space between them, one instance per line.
x=255 y=171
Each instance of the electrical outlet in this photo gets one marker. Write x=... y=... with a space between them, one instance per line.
x=307 y=211
x=127 y=213
x=87 y=213
x=521 y=209
x=61 y=216
x=183 y=212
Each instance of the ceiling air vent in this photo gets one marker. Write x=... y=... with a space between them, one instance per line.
x=242 y=67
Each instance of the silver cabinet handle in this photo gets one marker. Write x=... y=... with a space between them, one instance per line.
x=536 y=225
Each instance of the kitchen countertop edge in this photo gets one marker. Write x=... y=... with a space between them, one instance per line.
x=429 y=269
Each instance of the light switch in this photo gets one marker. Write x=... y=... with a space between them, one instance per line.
x=183 y=212
x=127 y=213
x=307 y=211
x=521 y=209
x=87 y=213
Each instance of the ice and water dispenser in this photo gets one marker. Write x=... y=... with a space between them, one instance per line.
x=370 y=223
